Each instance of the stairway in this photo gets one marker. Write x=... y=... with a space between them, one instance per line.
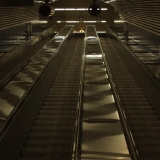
x=52 y=135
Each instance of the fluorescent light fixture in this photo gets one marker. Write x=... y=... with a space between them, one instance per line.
x=118 y=21
x=81 y=9
x=79 y=21
x=38 y=22
x=89 y=21
x=110 y=1
x=76 y=9
x=104 y=9
x=59 y=9
x=69 y=9
x=72 y=21
x=101 y=31
x=91 y=56
x=38 y=1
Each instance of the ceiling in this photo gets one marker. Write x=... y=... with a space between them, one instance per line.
x=144 y=14
x=76 y=12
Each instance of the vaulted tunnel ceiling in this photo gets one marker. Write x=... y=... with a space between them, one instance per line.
x=144 y=14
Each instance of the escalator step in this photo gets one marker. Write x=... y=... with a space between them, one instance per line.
x=138 y=112
x=53 y=112
x=152 y=143
x=147 y=135
x=131 y=96
x=135 y=107
x=64 y=108
x=66 y=99
x=48 y=143
x=134 y=103
x=60 y=103
x=146 y=123
x=52 y=135
x=56 y=117
x=46 y=152
x=144 y=129
x=131 y=99
x=51 y=123
x=61 y=96
x=144 y=117
x=51 y=128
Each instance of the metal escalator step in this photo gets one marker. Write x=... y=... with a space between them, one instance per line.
x=48 y=143
x=60 y=103
x=117 y=81
x=57 y=108
x=124 y=78
x=122 y=89
x=135 y=103
x=150 y=157
x=51 y=135
x=148 y=142
x=62 y=88
x=149 y=151
x=146 y=123
x=129 y=92
x=121 y=85
x=135 y=107
x=48 y=158
x=145 y=131
x=47 y=152
x=51 y=123
x=58 y=99
x=144 y=112
x=56 y=117
x=140 y=117
x=54 y=128
x=49 y=112
x=136 y=99
x=123 y=96
x=63 y=92
x=61 y=96
x=63 y=80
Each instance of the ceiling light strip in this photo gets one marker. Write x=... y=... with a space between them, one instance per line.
x=76 y=9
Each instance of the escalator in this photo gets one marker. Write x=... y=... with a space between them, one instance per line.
x=52 y=135
x=139 y=110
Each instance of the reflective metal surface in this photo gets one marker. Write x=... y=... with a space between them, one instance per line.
x=102 y=136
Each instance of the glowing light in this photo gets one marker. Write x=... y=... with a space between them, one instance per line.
x=76 y=9
x=81 y=9
x=69 y=9
x=72 y=21
x=89 y=21
x=59 y=9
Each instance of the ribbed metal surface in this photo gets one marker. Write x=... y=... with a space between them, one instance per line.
x=144 y=14
x=140 y=115
x=11 y=16
x=101 y=129
x=53 y=133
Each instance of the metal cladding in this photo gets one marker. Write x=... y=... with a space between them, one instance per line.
x=9 y=3
x=45 y=10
